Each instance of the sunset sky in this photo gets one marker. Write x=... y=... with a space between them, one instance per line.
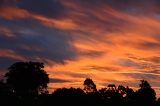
x=110 y=41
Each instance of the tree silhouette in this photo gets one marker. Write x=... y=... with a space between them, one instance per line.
x=27 y=78
x=111 y=95
x=146 y=95
x=89 y=85
x=144 y=84
x=128 y=95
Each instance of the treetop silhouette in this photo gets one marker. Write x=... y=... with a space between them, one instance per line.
x=89 y=85
x=144 y=84
x=27 y=77
x=146 y=95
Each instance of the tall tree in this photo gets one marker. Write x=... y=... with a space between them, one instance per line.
x=27 y=78
x=89 y=85
x=146 y=95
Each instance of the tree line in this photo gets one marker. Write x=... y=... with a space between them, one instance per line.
x=25 y=84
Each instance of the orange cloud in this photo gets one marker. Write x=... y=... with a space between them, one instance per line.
x=118 y=35
x=14 y=12
x=61 y=24
x=11 y=12
x=11 y=54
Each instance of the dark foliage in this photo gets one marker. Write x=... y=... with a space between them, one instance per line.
x=27 y=78
x=146 y=95
x=89 y=85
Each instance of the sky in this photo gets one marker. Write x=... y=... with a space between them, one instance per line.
x=110 y=41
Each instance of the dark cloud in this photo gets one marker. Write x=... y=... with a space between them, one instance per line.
x=101 y=68
x=78 y=75
x=72 y=74
x=49 y=8
x=149 y=45
x=92 y=53
x=154 y=59
x=143 y=75
x=129 y=63
x=146 y=45
x=56 y=80
x=155 y=71
x=33 y=41
x=150 y=64
x=7 y=2
x=136 y=7
x=151 y=77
